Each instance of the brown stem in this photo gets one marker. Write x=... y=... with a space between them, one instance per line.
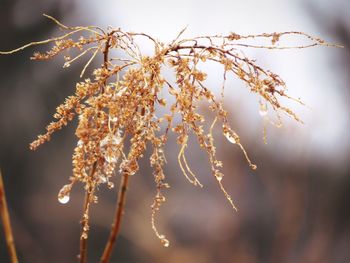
x=83 y=240
x=117 y=219
x=105 y=58
x=7 y=224
x=85 y=220
x=105 y=51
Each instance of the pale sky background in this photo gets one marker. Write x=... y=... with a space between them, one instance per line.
x=309 y=73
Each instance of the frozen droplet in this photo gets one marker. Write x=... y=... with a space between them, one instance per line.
x=253 y=166
x=230 y=137
x=165 y=185
x=63 y=194
x=219 y=176
x=102 y=179
x=63 y=199
x=66 y=65
x=160 y=198
x=110 y=185
x=263 y=110
x=165 y=242
x=84 y=235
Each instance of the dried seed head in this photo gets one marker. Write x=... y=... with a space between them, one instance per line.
x=118 y=104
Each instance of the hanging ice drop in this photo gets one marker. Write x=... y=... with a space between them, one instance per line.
x=230 y=137
x=263 y=110
x=63 y=194
x=165 y=242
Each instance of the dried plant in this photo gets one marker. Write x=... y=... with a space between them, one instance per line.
x=117 y=107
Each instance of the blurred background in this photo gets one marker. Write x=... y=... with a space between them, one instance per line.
x=293 y=208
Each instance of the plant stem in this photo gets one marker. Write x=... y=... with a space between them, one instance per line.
x=85 y=220
x=7 y=224
x=83 y=240
x=117 y=219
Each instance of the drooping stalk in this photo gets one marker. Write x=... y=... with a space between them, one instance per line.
x=85 y=220
x=7 y=223
x=117 y=218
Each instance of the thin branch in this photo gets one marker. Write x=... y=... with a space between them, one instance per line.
x=178 y=35
x=83 y=238
x=40 y=42
x=7 y=224
x=117 y=220
x=88 y=28
x=106 y=51
x=85 y=221
x=88 y=63
x=67 y=63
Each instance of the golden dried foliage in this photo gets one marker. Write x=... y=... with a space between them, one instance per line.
x=120 y=103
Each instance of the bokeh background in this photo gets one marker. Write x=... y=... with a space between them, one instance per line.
x=293 y=208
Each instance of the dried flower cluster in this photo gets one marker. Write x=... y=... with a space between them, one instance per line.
x=119 y=106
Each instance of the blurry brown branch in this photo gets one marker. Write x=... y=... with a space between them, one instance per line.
x=117 y=219
x=5 y=216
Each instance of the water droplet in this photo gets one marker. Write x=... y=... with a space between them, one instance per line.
x=219 y=176
x=110 y=185
x=63 y=194
x=66 y=65
x=230 y=137
x=165 y=185
x=63 y=199
x=253 y=166
x=263 y=110
x=102 y=179
x=80 y=143
x=160 y=198
x=165 y=242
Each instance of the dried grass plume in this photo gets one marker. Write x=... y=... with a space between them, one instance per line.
x=117 y=106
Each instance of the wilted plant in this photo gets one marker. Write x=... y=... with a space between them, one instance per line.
x=118 y=106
